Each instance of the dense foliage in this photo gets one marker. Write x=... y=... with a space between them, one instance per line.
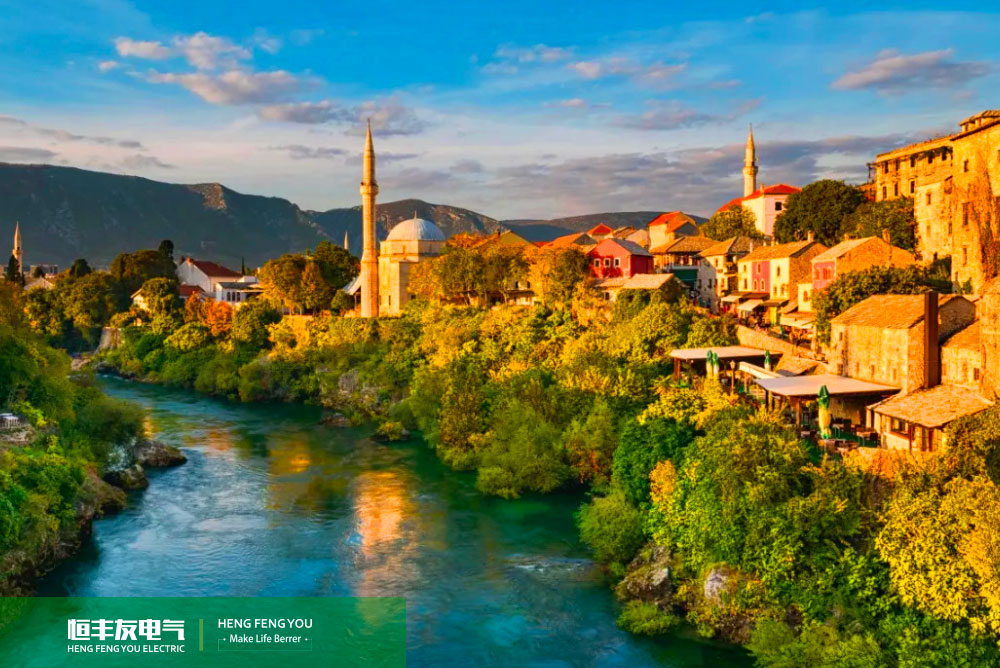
x=736 y=221
x=823 y=208
x=72 y=430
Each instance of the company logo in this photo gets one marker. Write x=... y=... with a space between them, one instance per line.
x=124 y=630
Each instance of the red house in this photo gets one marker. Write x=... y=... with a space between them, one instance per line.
x=619 y=257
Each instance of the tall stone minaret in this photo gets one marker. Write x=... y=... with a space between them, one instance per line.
x=347 y=246
x=369 y=256
x=750 y=166
x=18 y=252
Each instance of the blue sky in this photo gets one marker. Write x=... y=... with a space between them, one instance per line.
x=514 y=109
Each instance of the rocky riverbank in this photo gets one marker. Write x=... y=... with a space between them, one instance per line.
x=46 y=547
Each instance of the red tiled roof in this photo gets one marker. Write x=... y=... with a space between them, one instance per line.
x=672 y=219
x=600 y=228
x=214 y=270
x=186 y=290
x=779 y=189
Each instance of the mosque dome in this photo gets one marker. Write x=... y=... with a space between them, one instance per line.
x=416 y=229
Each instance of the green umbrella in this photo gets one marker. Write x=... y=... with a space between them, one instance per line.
x=823 y=400
x=767 y=360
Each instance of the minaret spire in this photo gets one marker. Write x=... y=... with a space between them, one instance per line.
x=18 y=252
x=347 y=246
x=369 y=255
x=750 y=166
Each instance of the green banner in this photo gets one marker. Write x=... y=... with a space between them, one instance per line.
x=202 y=632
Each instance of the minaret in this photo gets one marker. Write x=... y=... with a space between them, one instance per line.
x=347 y=246
x=750 y=166
x=369 y=256
x=18 y=252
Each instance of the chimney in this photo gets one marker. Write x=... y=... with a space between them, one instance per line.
x=810 y=236
x=932 y=346
x=886 y=237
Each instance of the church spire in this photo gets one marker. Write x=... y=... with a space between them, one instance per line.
x=18 y=252
x=369 y=255
x=750 y=166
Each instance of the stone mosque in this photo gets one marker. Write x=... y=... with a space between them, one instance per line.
x=385 y=273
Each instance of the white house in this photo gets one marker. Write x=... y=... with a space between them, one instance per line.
x=217 y=282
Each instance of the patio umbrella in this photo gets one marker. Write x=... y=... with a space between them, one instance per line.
x=823 y=400
x=767 y=360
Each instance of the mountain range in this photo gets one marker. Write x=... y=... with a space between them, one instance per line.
x=66 y=213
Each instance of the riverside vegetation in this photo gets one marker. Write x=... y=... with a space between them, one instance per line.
x=702 y=506
x=52 y=464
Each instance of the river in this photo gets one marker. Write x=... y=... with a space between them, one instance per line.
x=271 y=503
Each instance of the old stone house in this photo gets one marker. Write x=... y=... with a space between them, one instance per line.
x=954 y=181
x=856 y=255
x=881 y=339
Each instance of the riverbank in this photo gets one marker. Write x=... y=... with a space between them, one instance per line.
x=46 y=545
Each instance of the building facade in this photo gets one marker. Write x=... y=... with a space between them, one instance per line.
x=777 y=269
x=954 y=181
x=618 y=257
x=856 y=255
x=408 y=243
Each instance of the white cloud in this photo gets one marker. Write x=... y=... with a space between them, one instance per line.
x=673 y=115
x=108 y=65
x=266 y=42
x=207 y=52
x=892 y=73
x=141 y=162
x=656 y=75
x=56 y=134
x=303 y=152
x=130 y=48
x=234 y=86
x=310 y=113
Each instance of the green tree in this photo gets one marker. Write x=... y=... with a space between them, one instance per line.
x=79 y=268
x=162 y=297
x=13 y=273
x=736 y=221
x=641 y=447
x=315 y=293
x=134 y=269
x=337 y=264
x=708 y=332
x=557 y=273
x=821 y=208
x=251 y=321
x=281 y=280
x=871 y=219
x=166 y=249
x=612 y=528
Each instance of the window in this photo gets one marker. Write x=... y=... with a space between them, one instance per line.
x=975 y=373
x=607 y=262
x=965 y=214
x=899 y=427
x=885 y=192
x=927 y=198
x=777 y=206
x=965 y=370
x=778 y=269
x=618 y=262
x=597 y=262
x=930 y=158
x=965 y=255
x=913 y=187
x=895 y=190
x=949 y=228
x=885 y=167
x=965 y=165
x=871 y=370
x=913 y=161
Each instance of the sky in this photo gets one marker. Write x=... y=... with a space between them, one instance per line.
x=514 y=109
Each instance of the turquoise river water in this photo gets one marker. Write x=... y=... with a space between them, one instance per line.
x=271 y=503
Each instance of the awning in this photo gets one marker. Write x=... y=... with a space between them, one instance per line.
x=809 y=386
x=750 y=305
x=790 y=306
x=773 y=302
x=728 y=299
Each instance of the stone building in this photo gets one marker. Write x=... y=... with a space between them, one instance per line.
x=856 y=255
x=954 y=181
x=962 y=358
x=882 y=339
x=409 y=242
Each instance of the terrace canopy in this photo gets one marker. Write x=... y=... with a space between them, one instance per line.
x=750 y=305
x=798 y=389
x=735 y=354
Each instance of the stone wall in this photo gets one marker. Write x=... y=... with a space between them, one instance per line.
x=961 y=366
x=111 y=337
x=751 y=338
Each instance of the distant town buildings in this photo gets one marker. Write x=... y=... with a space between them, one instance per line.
x=216 y=281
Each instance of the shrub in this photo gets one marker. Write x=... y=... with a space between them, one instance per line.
x=646 y=619
x=611 y=527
